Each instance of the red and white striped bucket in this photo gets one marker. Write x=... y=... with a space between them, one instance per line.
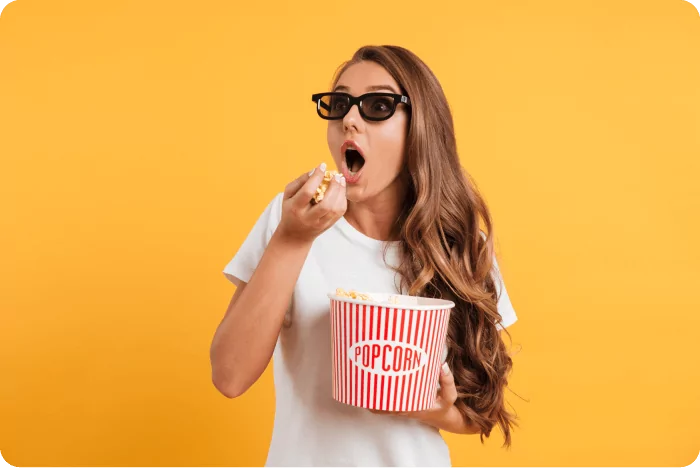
x=387 y=356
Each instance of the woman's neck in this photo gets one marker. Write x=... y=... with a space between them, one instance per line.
x=377 y=216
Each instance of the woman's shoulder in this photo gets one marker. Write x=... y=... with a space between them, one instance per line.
x=273 y=210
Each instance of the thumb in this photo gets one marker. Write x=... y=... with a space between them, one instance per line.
x=293 y=187
x=448 y=390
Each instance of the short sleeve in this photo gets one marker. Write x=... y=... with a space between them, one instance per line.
x=245 y=261
x=505 y=307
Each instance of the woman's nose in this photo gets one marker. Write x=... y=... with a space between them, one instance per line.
x=353 y=117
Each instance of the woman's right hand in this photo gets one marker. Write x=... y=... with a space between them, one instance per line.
x=303 y=222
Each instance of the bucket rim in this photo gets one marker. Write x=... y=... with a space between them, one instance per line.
x=422 y=303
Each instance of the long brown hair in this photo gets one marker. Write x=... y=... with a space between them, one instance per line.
x=444 y=252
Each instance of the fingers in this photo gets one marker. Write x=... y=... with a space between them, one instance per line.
x=445 y=400
x=293 y=187
x=334 y=203
x=396 y=413
x=448 y=390
x=303 y=195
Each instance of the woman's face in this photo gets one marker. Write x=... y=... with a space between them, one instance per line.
x=382 y=143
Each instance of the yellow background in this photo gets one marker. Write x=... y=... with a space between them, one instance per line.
x=139 y=142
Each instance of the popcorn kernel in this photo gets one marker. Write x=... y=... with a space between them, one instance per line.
x=321 y=190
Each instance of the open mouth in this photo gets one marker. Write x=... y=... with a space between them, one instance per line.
x=354 y=161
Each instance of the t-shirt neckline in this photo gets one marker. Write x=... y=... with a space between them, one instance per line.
x=353 y=233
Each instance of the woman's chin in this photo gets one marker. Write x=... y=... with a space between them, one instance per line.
x=353 y=193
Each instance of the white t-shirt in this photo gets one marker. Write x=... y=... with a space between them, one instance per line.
x=310 y=427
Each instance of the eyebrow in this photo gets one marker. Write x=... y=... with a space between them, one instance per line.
x=370 y=88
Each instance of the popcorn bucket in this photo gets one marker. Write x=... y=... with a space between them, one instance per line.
x=387 y=351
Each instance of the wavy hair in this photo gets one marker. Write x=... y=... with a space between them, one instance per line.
x=444 y=252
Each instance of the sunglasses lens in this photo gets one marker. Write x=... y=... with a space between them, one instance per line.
x=333 y=106
x=378 y=107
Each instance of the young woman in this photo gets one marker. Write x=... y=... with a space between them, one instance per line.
x=402 y=217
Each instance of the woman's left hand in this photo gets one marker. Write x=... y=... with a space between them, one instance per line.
x=444 y=402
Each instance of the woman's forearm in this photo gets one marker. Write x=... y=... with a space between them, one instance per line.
x=245 y=340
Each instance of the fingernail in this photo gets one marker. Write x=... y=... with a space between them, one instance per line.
x=445 y=369
x=311 y=172
x=323 y=167
x=342 y=181
x=338 y=177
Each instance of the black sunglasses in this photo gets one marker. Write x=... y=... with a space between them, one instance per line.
x=372 y=106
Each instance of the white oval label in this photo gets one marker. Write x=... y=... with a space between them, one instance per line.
x=390 y=358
